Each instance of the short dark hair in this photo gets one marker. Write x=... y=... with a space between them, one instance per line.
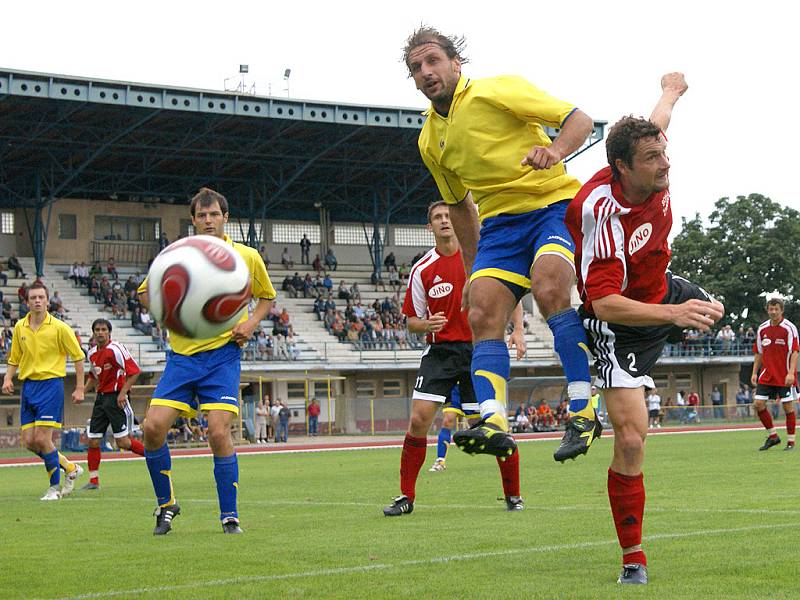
x=775 y=302
x=623 y=137
x=452 y=45
x=101 y=321
x=434 y=205
x=37 y=285
x=207 y=197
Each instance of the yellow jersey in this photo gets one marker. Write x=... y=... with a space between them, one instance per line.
x=261 y=287
x=492 y=124
x=42 y=354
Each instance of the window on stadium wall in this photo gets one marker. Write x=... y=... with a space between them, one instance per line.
x=295 y=390
x=67 y=227
x=661 y=382
x=131 y=229
x=7 y=222
x=365 y=388
x=292 y=233
x=413 y=235
x=353 y=235
x=237 y=230
x=186 y=228
x=392 y=388
x=683 y=381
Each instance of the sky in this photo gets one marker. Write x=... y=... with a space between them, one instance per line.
x=732 y=133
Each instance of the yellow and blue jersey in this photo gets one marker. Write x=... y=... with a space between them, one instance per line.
x=261 y=287
x=492 y=124
x=42 y=354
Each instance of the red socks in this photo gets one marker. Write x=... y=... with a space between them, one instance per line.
x=626 y=496
x=766 y=420
x=94 y=464
x=411 y=461
x=137 y=447
x=509 y=473
x=791 y=423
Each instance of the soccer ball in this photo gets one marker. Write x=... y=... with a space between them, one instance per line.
x=198 y=287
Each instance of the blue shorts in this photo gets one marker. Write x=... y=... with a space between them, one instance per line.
x=41 y=403
x=204 y=381
x=510 y=244
x=469 y=410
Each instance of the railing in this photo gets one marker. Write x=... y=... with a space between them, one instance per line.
x=123 y=252
x=709 y=348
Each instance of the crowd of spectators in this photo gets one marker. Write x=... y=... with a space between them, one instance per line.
x=279 y=343
x=725 y=341
x=539 y=417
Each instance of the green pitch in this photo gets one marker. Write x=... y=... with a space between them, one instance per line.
x=720 y=523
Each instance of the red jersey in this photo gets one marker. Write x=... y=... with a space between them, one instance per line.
x=111 y=365
x=620 y=248
x=435 y=285
x=775 y=344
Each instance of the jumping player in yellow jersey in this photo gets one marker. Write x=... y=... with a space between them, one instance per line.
x=203 y=375
x=39 y=348
x=485 y=145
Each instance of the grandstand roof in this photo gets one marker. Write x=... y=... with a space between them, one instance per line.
x=272 y=157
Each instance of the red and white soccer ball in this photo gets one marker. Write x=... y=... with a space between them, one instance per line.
x=198 y=287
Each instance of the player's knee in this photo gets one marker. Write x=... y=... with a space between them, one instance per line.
x=630 y=442
x=123 y=443
x=154 y=434
x=551 y=296
x=31 y=444
x=419 y=425
x=486 y=322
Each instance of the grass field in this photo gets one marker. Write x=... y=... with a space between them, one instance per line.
x=720 y=522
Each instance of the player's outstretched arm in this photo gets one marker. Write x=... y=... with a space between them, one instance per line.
x=625 y=311
x=673 y=86
x=464 y=218
x=572 y=135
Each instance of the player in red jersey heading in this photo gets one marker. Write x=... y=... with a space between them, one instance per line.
x=433 y=307
x=620 y=221
x=113 y=373
x=775 y=372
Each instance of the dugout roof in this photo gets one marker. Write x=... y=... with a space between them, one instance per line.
x=64 y=136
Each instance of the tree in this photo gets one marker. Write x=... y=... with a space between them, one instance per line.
x=749 y=250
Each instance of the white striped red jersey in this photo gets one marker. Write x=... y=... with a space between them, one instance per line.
x=775 y=344
x=620 y=248
x=435 y=285
x=111 y=365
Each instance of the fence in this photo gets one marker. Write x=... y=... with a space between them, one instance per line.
x=123 y=253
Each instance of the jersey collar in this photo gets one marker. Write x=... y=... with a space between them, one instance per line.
x=463 y=83
x=47 y=320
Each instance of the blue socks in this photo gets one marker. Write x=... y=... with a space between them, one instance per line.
x=226 y=473
x=159 y=463
x=444 y=441
x=51 y=464
x=572 y=347
x=490 y=369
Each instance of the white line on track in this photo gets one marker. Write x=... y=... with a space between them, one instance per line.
x=608 y=433
x=409 y=563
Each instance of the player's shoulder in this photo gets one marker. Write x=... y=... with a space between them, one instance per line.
x=245 y=251
x=59 y=324
x=598 y=184
x=423 y=263
x=92 y=352
x=496 y=84
x=763 y=326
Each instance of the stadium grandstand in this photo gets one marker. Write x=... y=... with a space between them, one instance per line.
x=95 y=178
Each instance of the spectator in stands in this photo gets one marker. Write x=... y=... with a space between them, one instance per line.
x=725 y=339
x=262 y=414
x=145 y=324
x=3 y=276
x=327 y=283
x=94 y=289
x=313 y=411
x=274 y=414
x=329 y=302
x=376 y=280
x=292 y=351
x=416 y=258
x=305 y=249
x=120 y=306
x=319 y=287
x=112 y=268
x=286 y=259
x=545 y=415
x=308 y=286
x=283 y=422
x=394 y=279
x=386 y=305
x=263 y=345
x=330 y=260
x=83 y=274
x=13 y=265
x=355 y=292
x=328 y=319
x=22 y=292
x=562 y=413
x=402 y=270
x=8 y=314
x=390 y=260
x=343 y=291
x=317 y=264
x=264 y=256
x=23 y=309
x=319 y=307
x=287 y=287
x=74 y=273
x=96 y=270
x=297 y=283
x=163 y=241
x=130 y=285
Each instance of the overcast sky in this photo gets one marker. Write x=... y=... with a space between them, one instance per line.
x=732 y=134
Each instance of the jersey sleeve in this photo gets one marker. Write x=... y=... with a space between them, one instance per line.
x=527 y=102
x=125 y=361
x=603 y=267
x=142 y=289
x=70 y=343
x=450 y=186
x=262 y=285
x=415 y=303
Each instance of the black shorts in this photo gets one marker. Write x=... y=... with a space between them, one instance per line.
x=106 y=412
x=624 y=356
x=654 y=412
x=442 y=367
x=775 y=392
